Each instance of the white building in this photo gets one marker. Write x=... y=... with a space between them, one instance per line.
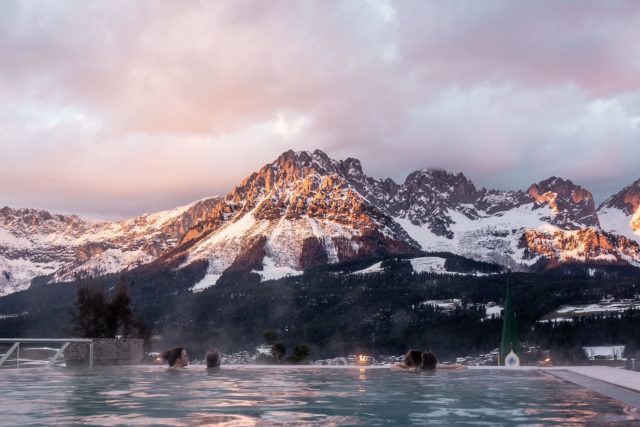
x=606 y=352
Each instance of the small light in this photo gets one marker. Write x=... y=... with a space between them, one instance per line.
x=363 y=360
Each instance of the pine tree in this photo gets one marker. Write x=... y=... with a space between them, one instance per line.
x=120 y=315
x=90 y=312
x=94 y=316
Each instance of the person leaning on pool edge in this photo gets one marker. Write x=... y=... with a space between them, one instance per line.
x=212 y=359
x=177 y=357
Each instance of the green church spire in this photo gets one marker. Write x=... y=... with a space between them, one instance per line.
x=509 y=328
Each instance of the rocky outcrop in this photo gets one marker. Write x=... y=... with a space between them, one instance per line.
x=584 y=245
x=572 y=206
x=620 y=213
x=627 y=200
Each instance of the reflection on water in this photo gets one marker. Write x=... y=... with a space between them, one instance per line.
x=239 y=396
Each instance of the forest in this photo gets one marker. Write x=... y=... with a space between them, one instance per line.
x=335 y=312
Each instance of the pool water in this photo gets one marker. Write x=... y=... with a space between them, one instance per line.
x=243 y=395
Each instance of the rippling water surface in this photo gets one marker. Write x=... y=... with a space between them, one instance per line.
x=240 y=395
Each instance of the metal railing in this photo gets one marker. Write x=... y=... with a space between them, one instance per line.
x=65 y=343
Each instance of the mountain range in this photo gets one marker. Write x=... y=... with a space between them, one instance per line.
x=306 y=210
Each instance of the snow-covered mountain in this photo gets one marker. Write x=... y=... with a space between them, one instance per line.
x=298 y=212
x=306 y=209
x=620 y=213
x=36 y=243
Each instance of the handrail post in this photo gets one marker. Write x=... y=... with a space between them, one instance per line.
x=91 y=354
x=58 y=354
x=8 y=353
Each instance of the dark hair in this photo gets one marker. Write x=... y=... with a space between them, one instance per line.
x=413 y=358
x=213 y=358
x=172 y=355
x=429 y=361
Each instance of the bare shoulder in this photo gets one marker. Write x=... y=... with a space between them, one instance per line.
x=454 y=366
x=400 y=367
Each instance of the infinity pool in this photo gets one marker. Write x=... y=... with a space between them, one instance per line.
x=251 y=395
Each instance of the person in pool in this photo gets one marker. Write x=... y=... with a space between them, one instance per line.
x=428 y=362
x=412 y=359
x=423 y=361
x=212 y=359
x=177 y=357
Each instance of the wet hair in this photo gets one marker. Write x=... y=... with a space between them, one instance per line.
x=213 y=358
x=429 y=361
x=172 y=355
x=413 y=358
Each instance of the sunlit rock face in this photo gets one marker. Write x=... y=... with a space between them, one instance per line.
x=620 y=213
x=305 y=210
x=572 y=206
x=622 y=210
x=583 y=245
x=627 y=200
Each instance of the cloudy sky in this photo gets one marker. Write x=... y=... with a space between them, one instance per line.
x=116 y=108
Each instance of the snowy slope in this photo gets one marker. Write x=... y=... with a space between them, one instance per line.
x=36 y=243
x=492 y=238
x=617 y=221
x=620 y=213
x=282 y=245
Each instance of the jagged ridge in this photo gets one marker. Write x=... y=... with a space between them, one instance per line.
x=306 y=209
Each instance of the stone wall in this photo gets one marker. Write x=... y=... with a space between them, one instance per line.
x=106 y=351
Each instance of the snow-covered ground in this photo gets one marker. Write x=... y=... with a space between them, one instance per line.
x=569 y=312
x=375 y=268
x=12 y=316
x=616 y=221
x=270 y=271
x=445 y=304
x=207 y=281
x=493 y=238
x=428 y=265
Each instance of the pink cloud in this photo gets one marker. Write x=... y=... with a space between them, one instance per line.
x=493 y=89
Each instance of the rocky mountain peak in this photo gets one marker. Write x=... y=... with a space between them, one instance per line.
x=564 y=189
x=295 y=185
x=291 y=171
x=627 y=200
x=351 y=167
x=454 y=187
x=298 y=164
x=39 y=221
x=572 y=205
